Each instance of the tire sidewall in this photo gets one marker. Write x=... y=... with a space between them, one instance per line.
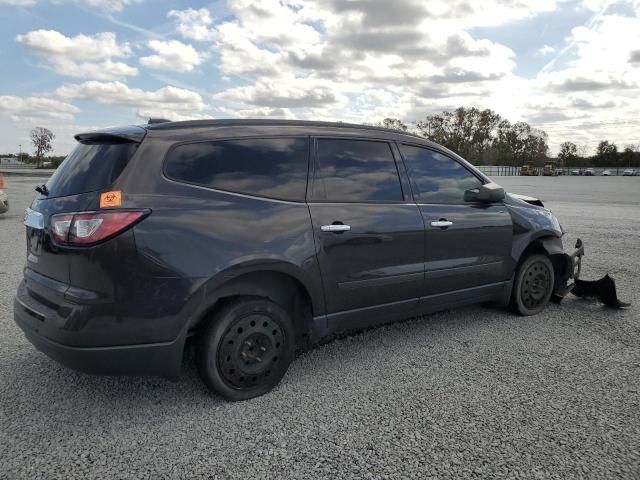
x=211 y=338
x=517 y=303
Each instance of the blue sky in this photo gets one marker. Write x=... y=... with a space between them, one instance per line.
x=570 y=67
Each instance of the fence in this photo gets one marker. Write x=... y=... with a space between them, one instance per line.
x=10 y=166
x=497 y=171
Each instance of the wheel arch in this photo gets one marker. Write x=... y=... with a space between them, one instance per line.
x=283 y=288
x=550 y=245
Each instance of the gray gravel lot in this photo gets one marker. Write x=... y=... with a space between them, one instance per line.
x=475 y=392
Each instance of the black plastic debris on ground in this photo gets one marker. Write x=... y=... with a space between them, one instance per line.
x=603 y=290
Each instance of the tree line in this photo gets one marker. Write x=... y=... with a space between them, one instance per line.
x=483 y=137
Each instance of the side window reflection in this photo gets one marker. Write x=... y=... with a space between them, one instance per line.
x=437 y=178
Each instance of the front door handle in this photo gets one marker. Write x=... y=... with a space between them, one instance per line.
x=335 y=228
x=442 y=223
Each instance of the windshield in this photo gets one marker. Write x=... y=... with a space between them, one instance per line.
x=90 y=167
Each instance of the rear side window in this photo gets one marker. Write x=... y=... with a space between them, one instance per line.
x=437 y=178
x=355 y=171
x=90 y=168
x=264 y=167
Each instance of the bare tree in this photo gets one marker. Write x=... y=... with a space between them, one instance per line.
x=41 y=139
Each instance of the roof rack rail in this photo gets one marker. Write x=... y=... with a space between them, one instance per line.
x=153 y=121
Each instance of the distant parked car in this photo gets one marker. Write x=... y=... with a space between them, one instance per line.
x=606 y=173
x=527 y=170
x=576 y=172
x=630 y=172
x=589 y=172
x=549 y=170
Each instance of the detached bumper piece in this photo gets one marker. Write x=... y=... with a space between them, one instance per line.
x=603 y=290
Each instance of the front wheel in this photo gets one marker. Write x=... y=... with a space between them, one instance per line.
x=246 y=348
x=533 y=285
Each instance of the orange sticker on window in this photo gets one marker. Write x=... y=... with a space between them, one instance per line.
x=111 y=199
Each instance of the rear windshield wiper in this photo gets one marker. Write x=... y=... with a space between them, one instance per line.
x=42 y=189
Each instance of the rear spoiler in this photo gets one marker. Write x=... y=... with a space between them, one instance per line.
x=130 y=134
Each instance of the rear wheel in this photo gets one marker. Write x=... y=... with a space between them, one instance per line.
x=533 y=285
x=246 y=348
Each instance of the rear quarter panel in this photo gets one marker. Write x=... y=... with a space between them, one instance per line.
x=198 y=238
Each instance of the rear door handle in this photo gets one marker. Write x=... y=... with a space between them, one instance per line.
x=442 y=223
x=335 y=228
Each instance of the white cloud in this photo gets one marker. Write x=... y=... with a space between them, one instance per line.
x=172 y=55
x=83 y=56
x=18 y=3
x=80 y=47
x=294 y=94
x=156 y=103
x=545 y=50
x=594 y=95
x=262 y=112
x=105 y=70
x=363 y=60
x=194 y=24
x=36 y=108
x=106 y=5
x=303 y=58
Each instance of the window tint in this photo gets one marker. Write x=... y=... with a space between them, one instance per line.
x=437 y=178
x=89 y=168
x=356 y=171
x=268 y=167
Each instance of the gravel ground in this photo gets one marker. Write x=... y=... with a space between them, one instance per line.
x=475 y=392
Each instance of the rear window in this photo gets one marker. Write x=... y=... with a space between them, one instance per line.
x=264 y=167
x=90 y=168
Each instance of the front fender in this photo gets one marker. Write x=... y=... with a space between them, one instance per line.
x=531 y=223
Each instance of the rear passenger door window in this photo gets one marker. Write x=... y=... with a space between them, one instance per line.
x=437 y=178
x=265 y=167
x=355 y=171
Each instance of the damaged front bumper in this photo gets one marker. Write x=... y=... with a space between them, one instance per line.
x=570 y=273
x=576 y=260
x=603 y=290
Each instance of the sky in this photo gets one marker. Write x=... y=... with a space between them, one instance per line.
x=569 y=67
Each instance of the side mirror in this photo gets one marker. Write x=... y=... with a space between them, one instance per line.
x=490 y=193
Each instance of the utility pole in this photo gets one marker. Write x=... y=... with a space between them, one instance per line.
x=19 y=153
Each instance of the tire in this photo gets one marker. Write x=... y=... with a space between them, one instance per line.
x=533 y=285
x=246 y=348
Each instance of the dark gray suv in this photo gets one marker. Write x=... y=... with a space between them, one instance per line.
x=255 y=238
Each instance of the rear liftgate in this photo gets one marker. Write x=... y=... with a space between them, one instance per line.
x=603 y=290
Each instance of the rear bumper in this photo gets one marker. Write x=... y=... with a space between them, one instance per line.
x=52 y=324
x=150 y=359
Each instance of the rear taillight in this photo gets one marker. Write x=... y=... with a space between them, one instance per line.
x=89 y=228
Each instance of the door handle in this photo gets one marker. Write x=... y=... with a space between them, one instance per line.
x=442 y=223
x=335 y=228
